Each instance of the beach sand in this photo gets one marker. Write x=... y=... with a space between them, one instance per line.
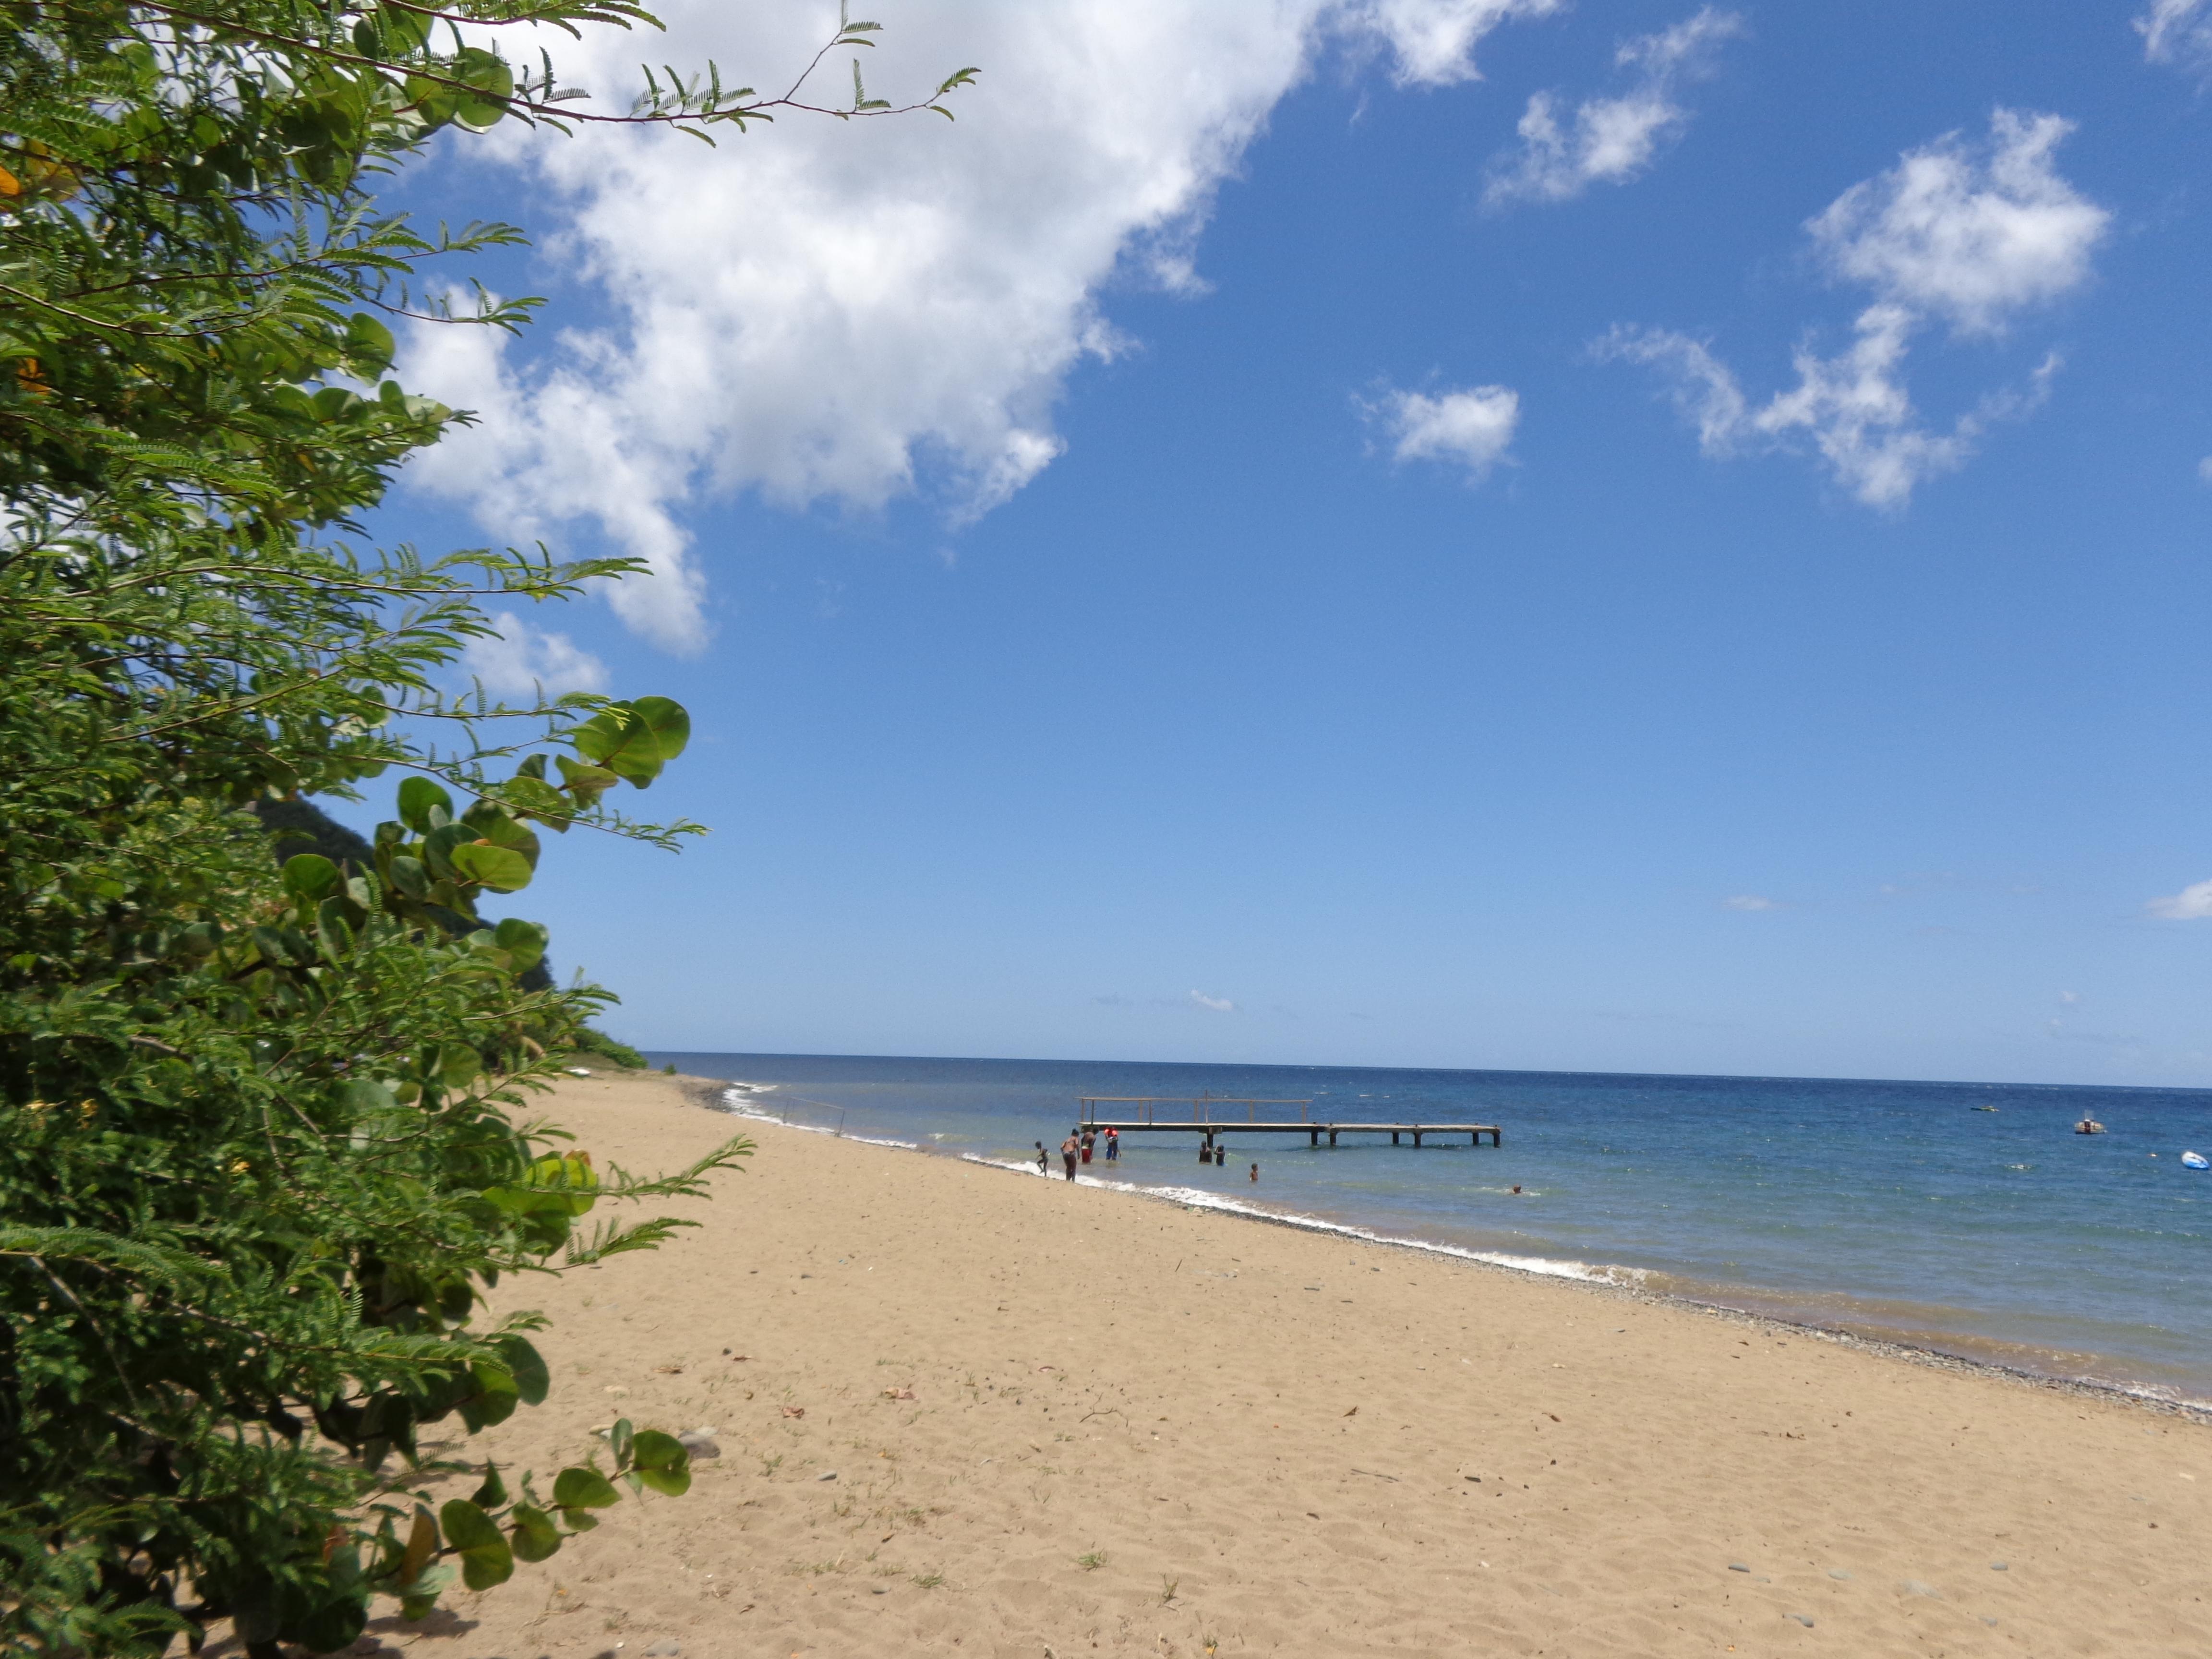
x=965 y=1411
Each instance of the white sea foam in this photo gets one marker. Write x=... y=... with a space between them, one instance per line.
x=1194 y=1198
x=736 y=1104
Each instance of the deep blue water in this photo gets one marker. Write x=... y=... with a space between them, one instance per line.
x=1894 y=1209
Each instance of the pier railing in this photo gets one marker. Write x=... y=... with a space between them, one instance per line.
x=1215 y=1117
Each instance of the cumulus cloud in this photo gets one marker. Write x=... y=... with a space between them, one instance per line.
x=1612 y=140
x=522 y=661
x=1750 y=901
x=1969 y=232
x=1969 y=235
x=2193 y=903
x=1214 y=1005
x=1433 y=41
x=846 y=313
x=1471 y=428
x=2177 y=32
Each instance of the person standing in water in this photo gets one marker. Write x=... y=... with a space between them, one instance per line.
x=1088 y=1140
x=1113 y=1145
x=1256 y=1173
x=1044 y=1164
x=1067 y=1156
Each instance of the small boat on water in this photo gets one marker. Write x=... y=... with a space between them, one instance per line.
x=2088 y=1126
x=2195 y=1161
x=1986 y=1109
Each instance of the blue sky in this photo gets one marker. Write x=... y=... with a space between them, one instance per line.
x=1212 y=556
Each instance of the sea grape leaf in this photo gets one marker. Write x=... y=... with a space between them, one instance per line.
x=311 y=875
x=438 y=846
x=493 y=1399
x=534 y=795
x=491 y=824
x=668 y=722
x=421 y=1544
x=457 y=1065
x=527 y=1366
x=409 y=876
x=486 y=1557
x=535 y=1535
x=523 y=941
x=635 y=739
x=500 y=868
x=661 y=1462
x=582 y=1487
x=418 y=798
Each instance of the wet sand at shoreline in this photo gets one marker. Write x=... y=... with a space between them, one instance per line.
x=983 y=1413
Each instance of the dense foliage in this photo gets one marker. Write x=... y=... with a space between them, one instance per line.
x=259 y=1159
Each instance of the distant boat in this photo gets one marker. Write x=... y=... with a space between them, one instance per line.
x=1986 y=1109
x=2195 y=1161
x=2088 y=1126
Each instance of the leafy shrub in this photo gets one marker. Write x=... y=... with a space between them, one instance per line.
x=260 y=1158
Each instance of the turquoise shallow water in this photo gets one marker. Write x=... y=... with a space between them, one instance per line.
x=1893 y=1209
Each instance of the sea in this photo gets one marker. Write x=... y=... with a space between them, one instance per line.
x=1965 y=1218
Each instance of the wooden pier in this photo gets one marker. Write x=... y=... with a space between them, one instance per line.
x=1212 y=1115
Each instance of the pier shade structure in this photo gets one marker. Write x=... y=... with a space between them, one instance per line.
x=1216 y=1115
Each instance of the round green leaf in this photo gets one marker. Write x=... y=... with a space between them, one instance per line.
x=492 y=1399
x=535 y=1535
x=527 y=1366
x=486 y=1558
x=661 y=1462
x=500 y=868
x=311 y=875
x=524 y=941
x=581 y=1487
x=669 y=723
x=418 y=798
x=368 y=345
x=457 y=1065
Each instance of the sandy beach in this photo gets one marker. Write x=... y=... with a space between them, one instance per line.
x=967 y=1411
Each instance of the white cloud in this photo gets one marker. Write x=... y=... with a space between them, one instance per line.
x=2177 y=32
x=1434 y=40
x=1972 y=234
x=2070 y=998
x=836 y=312
x=1471 y=428
x=1750 y=901
x=1610 y=140
x=521 y=661
x=1217 y=1005
x=2193 y=903
x=2204 y=469
x=1945 y=233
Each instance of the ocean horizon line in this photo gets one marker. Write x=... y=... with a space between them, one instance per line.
x=662 y=1055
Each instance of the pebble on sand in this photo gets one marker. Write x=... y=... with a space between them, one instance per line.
x=664 y=1650
x=1999 y=1566
x=1838 y=1572
x=1738 y=1566
x=1914 y=1587
x=827 y=1474
x=1802 y=1620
